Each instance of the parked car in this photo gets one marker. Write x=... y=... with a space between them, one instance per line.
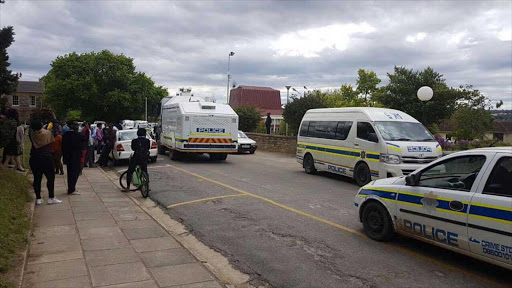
x=461 y=202
x=127 y=124
x=246 y=144
x=140 y=124
x=122 y=147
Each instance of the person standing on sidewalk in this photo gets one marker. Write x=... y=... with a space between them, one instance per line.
x=109 y=138
x=99 y=138
x=57 y=154
x=71 y=153
x=14 y=148
x=89 y=156
x=84 y=135
x=41 y=161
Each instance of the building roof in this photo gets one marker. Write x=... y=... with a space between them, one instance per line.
x=263 y=98
x=504 y=127
x=245 y=87
x=30 y=86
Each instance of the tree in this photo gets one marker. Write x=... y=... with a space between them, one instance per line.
x=295 y=110
x=248 y=118
x=8 y=80
x=471 y=123
x=401 y=91
x=367 y=83
x=103 y=86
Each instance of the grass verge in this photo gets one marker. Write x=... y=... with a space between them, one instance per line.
x=14 y=223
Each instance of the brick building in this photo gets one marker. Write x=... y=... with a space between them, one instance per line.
x=266 y=99
x=26 y=98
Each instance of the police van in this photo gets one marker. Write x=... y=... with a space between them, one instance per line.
x=462 y=202
x=364 y=143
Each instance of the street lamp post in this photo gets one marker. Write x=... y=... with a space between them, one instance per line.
x=288 y=94
x=425 y=93
x=146 y=104
x=229 y=60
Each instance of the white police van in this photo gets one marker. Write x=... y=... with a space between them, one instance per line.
x=462 y=202
x=364 y=143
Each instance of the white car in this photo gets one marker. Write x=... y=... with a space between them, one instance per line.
x=246 y=144
x=122 y=148
x=462 y=202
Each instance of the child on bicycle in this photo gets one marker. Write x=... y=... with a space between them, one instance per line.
x=140 y=148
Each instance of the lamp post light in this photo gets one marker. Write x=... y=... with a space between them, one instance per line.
x=229 y=60
x=288 y=94
x=425 y=93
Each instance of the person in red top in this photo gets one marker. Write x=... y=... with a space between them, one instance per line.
x=57 y=154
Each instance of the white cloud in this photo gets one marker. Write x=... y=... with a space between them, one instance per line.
x=505 y=35
x=310 y=42
x=415 y=38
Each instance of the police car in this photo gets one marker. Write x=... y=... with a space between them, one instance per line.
x=462 y=202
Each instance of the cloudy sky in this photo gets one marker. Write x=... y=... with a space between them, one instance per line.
x=317 y=44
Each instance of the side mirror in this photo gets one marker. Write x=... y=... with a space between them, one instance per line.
x=373 y=137
x=410 y=180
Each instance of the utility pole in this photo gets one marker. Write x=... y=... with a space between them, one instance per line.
x=229 y=76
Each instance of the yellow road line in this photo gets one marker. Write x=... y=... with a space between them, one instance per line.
x=273 y=202
x=330 y=223
x=204 y=199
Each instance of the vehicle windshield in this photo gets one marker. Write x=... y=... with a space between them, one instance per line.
x=242 y=135
x=403 y=131
x=127 y=135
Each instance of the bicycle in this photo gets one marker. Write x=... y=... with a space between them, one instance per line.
x=140 y=181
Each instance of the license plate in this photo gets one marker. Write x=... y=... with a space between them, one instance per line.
x=246 y=146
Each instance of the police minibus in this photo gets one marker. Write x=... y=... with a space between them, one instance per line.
x=462 y=202
x=364 y=143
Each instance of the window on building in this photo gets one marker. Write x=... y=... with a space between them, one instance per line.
x=15 y=100
x=32 y=100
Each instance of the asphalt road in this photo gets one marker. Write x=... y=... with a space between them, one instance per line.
x=289 y=229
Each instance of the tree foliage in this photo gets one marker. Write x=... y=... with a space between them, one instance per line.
x=367 y=83
x=295 y=110
x=248 y=118
x=8 y=80
x=471 y=123
x=103 y=86
x=401 y=91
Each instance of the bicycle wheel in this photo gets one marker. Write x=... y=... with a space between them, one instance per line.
x=122 y=181
x=144 y=187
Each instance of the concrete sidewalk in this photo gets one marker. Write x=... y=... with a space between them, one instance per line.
x=101 y=238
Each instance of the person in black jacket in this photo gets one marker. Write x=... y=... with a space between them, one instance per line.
x=140 y=148
x=268 y=123
x=71 y=154
x=41 y=161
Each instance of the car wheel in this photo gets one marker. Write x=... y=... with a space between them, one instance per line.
x=309 y=164
x=377 y=223
x=116 y=162
x=362 y=174
x=153 y=159
x=252 y=151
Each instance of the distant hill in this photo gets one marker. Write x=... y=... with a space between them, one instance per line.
x=502 y=115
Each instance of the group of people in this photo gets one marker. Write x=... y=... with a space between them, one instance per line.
x=54 y=144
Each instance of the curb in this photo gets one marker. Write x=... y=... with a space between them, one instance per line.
x=223 y=271
x=25 y=253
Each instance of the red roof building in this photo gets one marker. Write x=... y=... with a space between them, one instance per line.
x=266 y=99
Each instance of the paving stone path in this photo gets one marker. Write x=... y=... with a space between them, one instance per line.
x=101 y=238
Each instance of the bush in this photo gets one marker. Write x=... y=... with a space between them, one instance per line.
x=248 y=118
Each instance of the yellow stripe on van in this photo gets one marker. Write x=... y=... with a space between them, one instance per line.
x=210 y=134
x=394 y=148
